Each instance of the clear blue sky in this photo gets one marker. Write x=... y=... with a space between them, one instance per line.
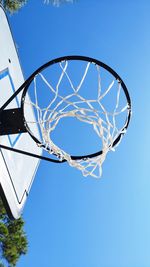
x=73 y=221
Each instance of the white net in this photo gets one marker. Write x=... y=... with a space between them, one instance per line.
x=94 y=112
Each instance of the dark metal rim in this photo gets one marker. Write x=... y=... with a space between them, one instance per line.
x=88 y=59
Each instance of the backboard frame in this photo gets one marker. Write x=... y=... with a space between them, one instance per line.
x=10 y=182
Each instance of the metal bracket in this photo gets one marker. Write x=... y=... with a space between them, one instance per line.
x=30 y=154
x=11 y=121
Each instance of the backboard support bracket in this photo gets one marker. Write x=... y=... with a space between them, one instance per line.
x=30 y=154
x=11 y=122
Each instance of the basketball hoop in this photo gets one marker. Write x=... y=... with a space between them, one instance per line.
x=73 y=104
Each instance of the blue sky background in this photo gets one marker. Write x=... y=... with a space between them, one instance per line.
x=73 y=221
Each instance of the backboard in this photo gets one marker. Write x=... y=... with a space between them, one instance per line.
x=16 y=171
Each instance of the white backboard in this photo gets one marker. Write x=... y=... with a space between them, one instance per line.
x=17 y=171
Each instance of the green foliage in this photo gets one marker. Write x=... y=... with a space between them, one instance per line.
x=13 y=5
x=2 y=265
x=13 y=241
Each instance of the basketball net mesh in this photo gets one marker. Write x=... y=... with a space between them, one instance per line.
x=82 y=109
